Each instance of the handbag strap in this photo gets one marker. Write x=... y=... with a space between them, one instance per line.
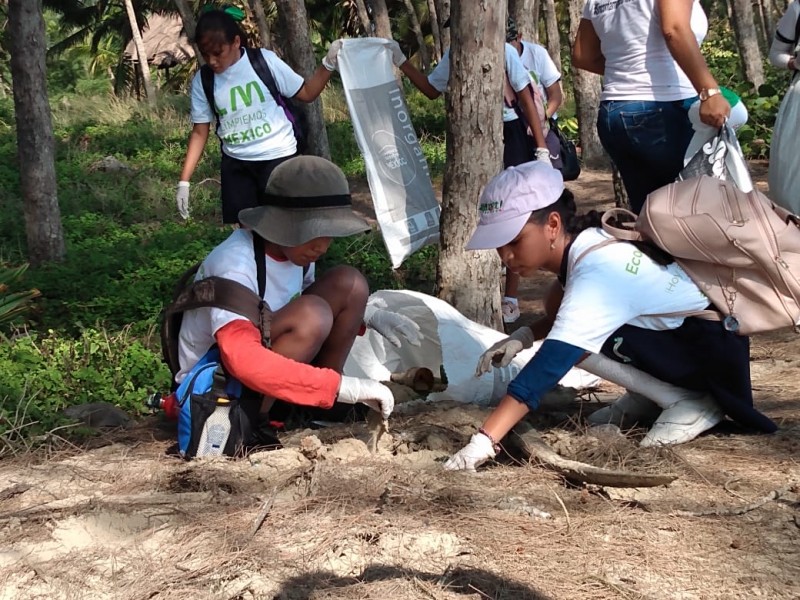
x=623 y=231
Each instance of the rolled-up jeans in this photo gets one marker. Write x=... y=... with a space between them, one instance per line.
x=647 y=141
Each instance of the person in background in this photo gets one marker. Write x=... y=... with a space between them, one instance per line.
x=315 y=319
x=517 y=146
x=600 y=320
x=648 y=52
x=256 y=134
x=547 y=78
x=784 y=163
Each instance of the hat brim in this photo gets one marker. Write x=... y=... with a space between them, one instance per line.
x=292 y=227
x=490 y=236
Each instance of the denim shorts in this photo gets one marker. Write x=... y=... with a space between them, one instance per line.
x=646 y=140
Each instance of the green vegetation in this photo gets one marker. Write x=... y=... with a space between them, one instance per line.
x=90 y=336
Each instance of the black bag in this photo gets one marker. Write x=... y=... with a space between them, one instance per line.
x=571 y=164
x=294 y=113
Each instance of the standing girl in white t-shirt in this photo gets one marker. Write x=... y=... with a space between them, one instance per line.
x=648 y=52
x=613 y=317
x=255 y=133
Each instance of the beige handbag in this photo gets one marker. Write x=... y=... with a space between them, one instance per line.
x=741 y=250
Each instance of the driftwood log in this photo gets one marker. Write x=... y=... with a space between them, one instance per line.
x=530 y=443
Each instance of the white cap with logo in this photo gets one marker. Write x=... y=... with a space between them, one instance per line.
x=508 y=200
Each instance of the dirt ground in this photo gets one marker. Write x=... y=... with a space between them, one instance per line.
x=324 y=518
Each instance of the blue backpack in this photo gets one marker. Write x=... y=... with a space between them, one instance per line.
x=216 y=412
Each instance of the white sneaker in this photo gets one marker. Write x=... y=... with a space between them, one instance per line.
x=510 y=310
x=684 y=421
x=629 y=410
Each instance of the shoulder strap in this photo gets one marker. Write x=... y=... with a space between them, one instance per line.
x=261 y=264
x=260 y=66
x=207 y=79
x=626 y=231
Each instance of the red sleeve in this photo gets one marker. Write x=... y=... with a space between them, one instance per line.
x=269 y=373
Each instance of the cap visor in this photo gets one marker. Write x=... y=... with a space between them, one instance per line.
x=493 y=235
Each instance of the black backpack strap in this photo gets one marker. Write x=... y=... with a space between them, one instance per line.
x=260 y=66
x=261 y=264
x=207 y=79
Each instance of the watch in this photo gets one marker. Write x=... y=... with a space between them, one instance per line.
x=706 y=93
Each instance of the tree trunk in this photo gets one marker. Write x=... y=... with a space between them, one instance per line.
x=747 y=41
x=769 y=21
x=300 y=56
x=553 y=36
x=417 y=29
x=189 y=25
x=380 y=15
x=35 y=144
x=526 y=16
x=471 y=282
x=587 y=100
x=435 y=30
x=141 y=54
x=363 y=16
x=443 y=13
x=257 y=7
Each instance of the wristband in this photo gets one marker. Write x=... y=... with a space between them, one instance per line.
x=495 y=444
x=183 y=184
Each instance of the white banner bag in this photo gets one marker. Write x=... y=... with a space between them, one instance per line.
x=397 y=172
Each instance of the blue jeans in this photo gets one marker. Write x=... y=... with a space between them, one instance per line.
x=646 y=140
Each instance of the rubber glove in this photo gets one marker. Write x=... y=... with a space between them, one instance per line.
x=503 y=352
x=366 y=391
x=398 y=58
x=182 y=199
x=331 y=60
x=543 y=155
x=477 y=452
x=391 y=325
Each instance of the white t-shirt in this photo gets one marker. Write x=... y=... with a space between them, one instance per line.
x=541 y=68
x=615 y=285
x=234 y=259
x=639 y=65
x=517 y=76
x=788 y=22
x=252 y=125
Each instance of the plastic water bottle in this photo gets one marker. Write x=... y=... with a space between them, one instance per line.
x=216 y=430
x=168 y=403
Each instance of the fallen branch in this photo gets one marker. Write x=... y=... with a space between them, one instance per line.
x=736 y=511
x=14 y=490
x=50 y=509
x=525 y=438
x=262 y=514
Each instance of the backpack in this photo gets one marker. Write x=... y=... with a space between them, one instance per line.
x=295 y=114
x=215 y=411
x=741 y=250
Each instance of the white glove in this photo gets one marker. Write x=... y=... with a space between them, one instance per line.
x=478 y=451
x=543 y=155
x=182 y=199
x=331 y=60
x=398 y=58
x=366 y=391
x=391 y=325
x=503 y=352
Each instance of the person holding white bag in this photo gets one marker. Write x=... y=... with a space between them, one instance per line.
x=784 y=163
x=615 y=318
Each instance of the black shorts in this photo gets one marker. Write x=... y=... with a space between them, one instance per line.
x=698 y=355
x=518 y=146
x=243 y=183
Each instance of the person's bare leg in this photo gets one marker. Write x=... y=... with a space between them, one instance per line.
x=345 y=290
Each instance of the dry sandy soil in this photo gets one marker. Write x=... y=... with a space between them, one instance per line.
x=124 y=520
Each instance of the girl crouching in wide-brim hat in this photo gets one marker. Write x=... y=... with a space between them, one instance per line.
x=610 y=315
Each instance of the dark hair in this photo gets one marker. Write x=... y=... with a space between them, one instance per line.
x=575 y=223
x=220 y=24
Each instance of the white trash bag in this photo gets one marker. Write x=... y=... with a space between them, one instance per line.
x=449 y=339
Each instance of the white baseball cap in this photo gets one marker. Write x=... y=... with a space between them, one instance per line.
x=509 y=199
